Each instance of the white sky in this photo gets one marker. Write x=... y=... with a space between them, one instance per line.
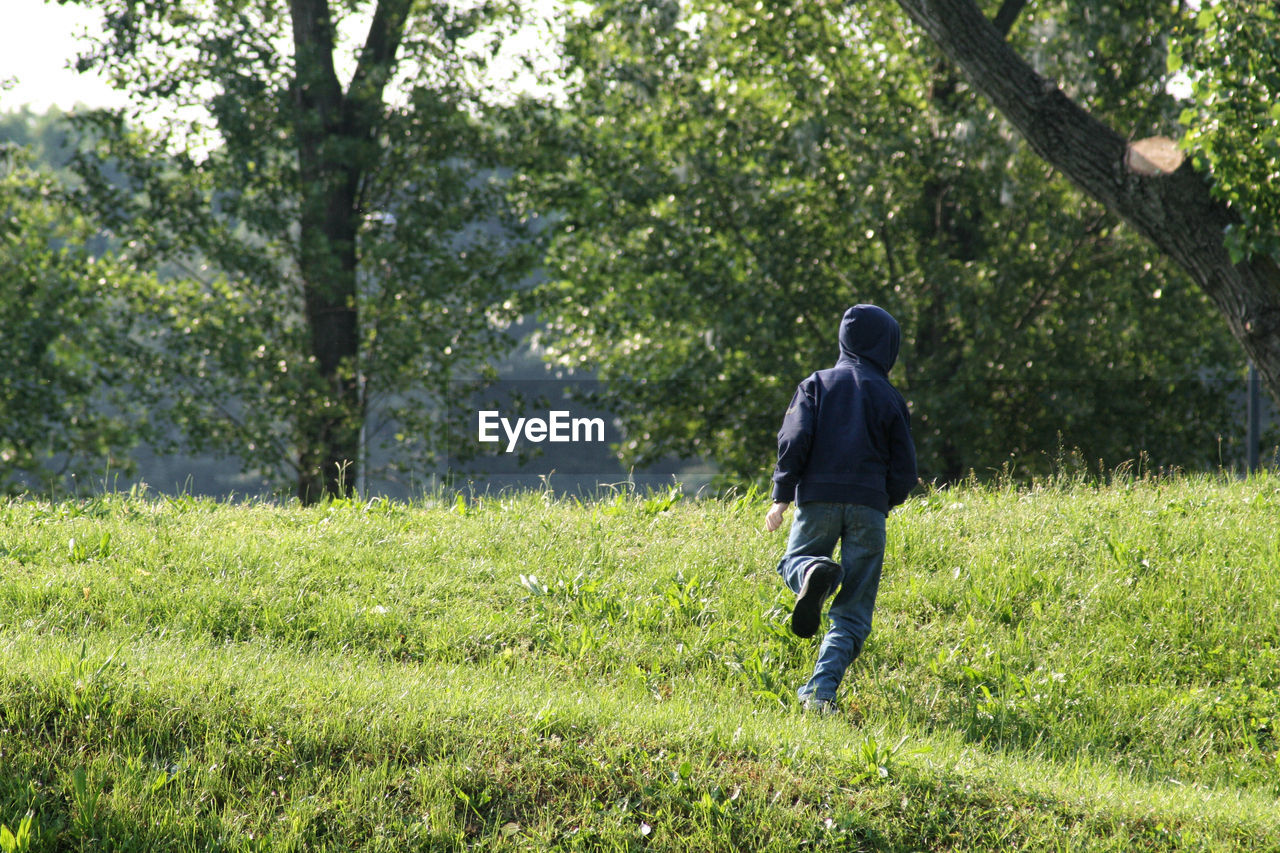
x=37 y=44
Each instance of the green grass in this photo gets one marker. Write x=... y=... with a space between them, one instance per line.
x=1062 y=667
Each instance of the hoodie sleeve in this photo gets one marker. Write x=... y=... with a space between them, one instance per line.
x=902 y=459
x=794 y=440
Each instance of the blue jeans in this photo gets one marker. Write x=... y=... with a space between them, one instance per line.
x=814 y=532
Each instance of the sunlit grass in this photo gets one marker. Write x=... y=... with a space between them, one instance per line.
x=1064 y=666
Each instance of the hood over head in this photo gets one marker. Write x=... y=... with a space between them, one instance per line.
x=869 y=334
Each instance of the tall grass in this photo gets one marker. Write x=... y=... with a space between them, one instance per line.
x=1061 y=667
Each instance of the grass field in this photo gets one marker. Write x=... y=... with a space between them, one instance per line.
x=1063 y=667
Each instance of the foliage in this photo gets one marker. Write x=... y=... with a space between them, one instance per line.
x=180 y=674
x=735 y=176
x=68 y=407
x=45 y=135
x=1231 y=53
x=336 y=251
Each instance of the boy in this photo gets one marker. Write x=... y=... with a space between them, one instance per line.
x=845 y=456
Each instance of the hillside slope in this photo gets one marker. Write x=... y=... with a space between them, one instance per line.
x=1060 y=667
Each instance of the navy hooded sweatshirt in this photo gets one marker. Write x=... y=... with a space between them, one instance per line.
x=846 y=437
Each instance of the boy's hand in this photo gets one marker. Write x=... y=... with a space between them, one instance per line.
x=773 y=520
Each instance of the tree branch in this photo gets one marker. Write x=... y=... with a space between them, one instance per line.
x=317 y=83
x=377 y=57
x=1048 y=289
x=1174 y=211
x=1007 y=15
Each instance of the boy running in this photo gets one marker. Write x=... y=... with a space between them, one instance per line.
x=845 y=457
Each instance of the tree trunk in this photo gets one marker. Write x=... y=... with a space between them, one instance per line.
x=330 y=426
x=1174 y=211
x=335 y=137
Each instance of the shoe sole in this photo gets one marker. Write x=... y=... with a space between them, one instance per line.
x=807 y=614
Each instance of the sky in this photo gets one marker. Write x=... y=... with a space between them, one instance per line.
x=37 y=44
x=41 y=41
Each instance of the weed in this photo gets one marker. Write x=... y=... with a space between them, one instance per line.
x=763 y=675
x=85 y=796
x=873 y=762
x=83 y=684
x=20 y=840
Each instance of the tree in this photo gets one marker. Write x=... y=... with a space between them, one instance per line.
x=45 y=136
x=1231 y=50
x=1179 y=213
x=65 y=404
x=337 y=249
x=736 y=176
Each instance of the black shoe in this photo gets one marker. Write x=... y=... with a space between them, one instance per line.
x=821 y=579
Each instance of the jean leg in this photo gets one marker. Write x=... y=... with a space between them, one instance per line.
x=862 y=558
x=815 y=530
